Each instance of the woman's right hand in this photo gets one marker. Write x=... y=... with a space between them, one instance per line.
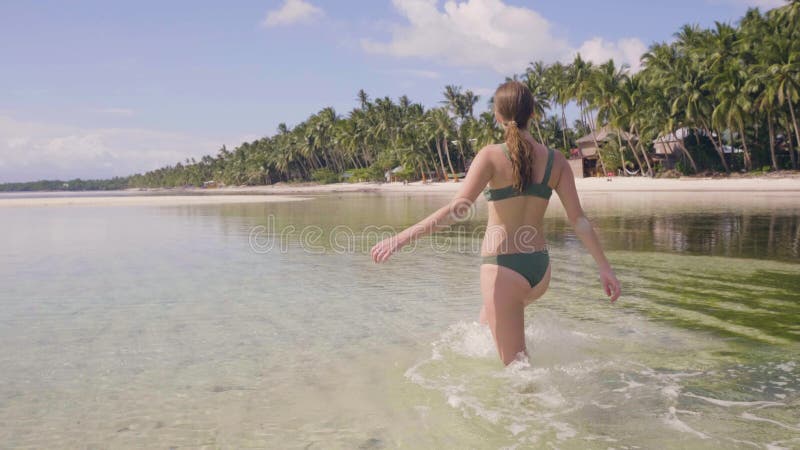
x=385 y=248
x=610 y=283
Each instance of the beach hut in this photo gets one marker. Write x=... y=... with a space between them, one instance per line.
x=584 y=159
x=391 y=175
x=667 y=147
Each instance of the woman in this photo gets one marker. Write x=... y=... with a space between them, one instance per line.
x=521 y=175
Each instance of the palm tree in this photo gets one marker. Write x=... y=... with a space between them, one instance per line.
x=556 y=82
x=442 y=130
x=581 y=73
x=606 y=88
x=363 y=99
x=535 y=80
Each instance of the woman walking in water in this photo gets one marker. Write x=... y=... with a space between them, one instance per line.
x=521 y=175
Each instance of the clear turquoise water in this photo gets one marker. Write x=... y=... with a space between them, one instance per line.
x=161 y=327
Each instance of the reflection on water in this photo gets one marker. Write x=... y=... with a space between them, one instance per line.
x=160 y=327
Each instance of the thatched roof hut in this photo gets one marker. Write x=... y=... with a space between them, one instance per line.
x=587 y=146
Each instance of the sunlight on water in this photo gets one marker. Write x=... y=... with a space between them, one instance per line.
x=161 y=327
x=603 y=376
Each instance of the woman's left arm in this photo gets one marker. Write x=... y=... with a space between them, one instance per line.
x=478 y=176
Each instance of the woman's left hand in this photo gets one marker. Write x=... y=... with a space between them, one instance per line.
x=385 y=248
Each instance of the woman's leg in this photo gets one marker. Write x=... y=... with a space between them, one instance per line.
x=539 y=290
x=504 y=292
x=535 y=293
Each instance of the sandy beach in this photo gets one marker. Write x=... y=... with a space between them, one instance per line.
x=284 y=192
x=617 y=184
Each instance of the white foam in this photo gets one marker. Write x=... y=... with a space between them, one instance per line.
x=472 y=340
x=563 y=430
x=671 y=391
x=630 y=384
x=516 y=428
x=748 y=416
x=775 y=446
x=672 y=420
x=551 y=398
x=728 y=403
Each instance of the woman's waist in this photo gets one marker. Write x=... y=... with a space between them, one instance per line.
x=502 y=242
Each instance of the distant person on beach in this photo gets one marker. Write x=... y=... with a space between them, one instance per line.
x=521 y=175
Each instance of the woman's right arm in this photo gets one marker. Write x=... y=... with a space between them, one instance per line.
x=568 y=194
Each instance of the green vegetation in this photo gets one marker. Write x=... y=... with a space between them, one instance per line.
x=732 y=91
x=324 y=176
x=71 y=185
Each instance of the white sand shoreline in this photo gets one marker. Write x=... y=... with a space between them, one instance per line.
x=617 y=184
x=284 y=192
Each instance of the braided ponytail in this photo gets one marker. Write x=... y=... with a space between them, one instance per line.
x=521 y=152
x=513 y=101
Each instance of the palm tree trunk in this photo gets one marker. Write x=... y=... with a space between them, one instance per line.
x=722 y=146
x=463 y=157
x=539 y=132
x=564 y=126
x=635 y=155
x=796 y=133
x=583 y=116
x=599 y=154
x=426 y=167
x=449 y=162
x=641 y=148
x=718 y=148
x=688 y=155
x=441 y=161
x=772 y=140
x=650 y=170
x=622 y=154
x=790 y=148
x=748 y=163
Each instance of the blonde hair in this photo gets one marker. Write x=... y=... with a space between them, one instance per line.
x=514 y=104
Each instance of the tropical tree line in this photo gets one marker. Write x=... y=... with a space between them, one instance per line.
x=729 y=94
x=77 y=184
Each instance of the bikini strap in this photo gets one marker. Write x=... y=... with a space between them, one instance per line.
x=505 y=150
x=549 y=167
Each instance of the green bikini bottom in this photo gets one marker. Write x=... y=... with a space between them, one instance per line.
x=532 y=266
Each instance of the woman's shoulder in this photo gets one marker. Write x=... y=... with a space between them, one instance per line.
x=492 y=151
x=558 y=157
x=496 y=147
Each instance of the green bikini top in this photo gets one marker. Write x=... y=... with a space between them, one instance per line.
x=541 y=190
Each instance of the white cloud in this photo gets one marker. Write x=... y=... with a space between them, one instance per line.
x=627 y=51
x=34 y=150
x=487 y=34
x=474 y=33
x=292 y=11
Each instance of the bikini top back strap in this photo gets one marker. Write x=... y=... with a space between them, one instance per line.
x=549 y=167
x=504 y=146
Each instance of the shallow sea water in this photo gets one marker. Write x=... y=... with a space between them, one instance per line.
x=159 y=327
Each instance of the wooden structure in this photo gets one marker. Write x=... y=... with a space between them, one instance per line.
x=584 y=159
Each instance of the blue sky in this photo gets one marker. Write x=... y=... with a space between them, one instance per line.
x=99 y=88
